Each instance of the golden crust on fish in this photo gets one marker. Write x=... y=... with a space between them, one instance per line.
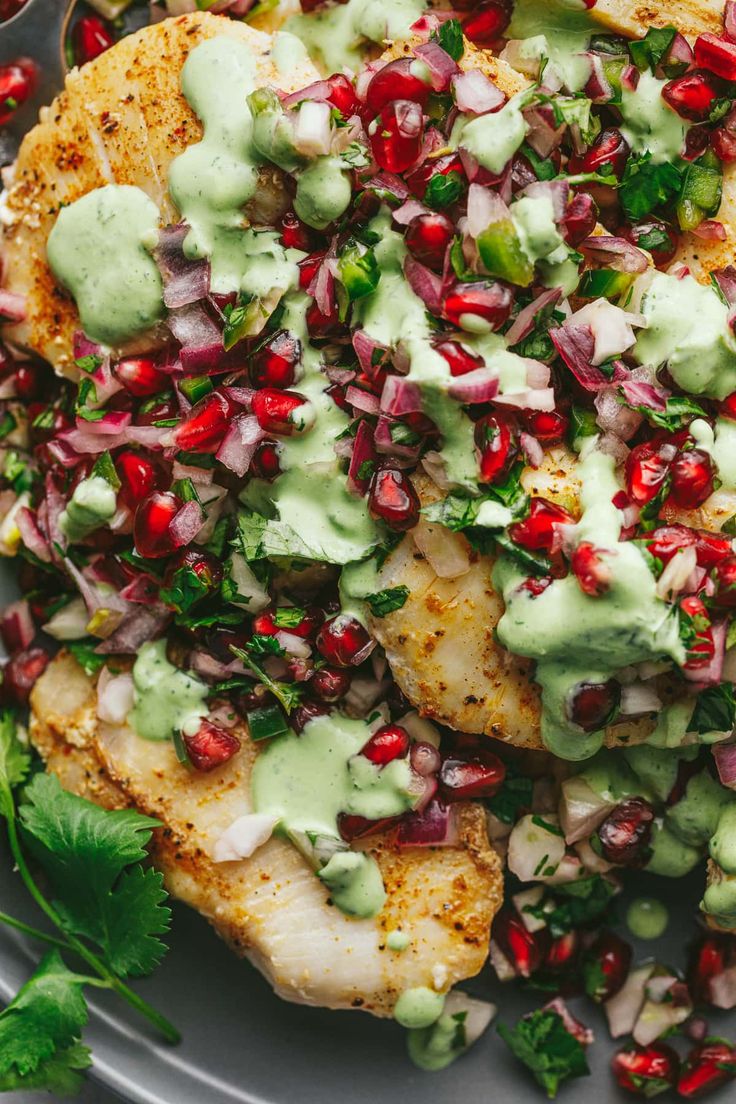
x=634 y=18
x=271 y=907
x=120 y=119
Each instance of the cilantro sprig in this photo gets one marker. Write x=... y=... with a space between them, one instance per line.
x=545 y=1046
x=107 y=907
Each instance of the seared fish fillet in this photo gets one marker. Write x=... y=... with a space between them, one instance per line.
x=271 y=908
x=440 y=644
x=120 y=119
x=634 y=18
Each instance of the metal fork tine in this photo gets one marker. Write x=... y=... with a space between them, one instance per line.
x=36 y=33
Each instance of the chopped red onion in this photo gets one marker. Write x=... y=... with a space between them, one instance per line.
x=115 y=696
x=725 y=758
x=386 y=445
x=726 y=280
x=185 y=281
x=581 y=809
x=319 y=90
x=543 y=136
x=185 y=525
x=400 y=396
x=598 y=88
x=525 y=320
x=142 y=590
x=409 y=210
x=630 y=78
x=710 y=230
x=18 y=626
x=322 y=287
x=424 y=283
x=199 y=337
x=536 y=398
x=434 y=827
x=440 y=66
x=366 y=349
x=622 y=1010
x=641 y=393
x=239 y=444
x=484 y=208
x=576 y=345
x=713 y=673
x=362 y=400
x=31 y=535
x=613 y=416
x=429 y=21
x=364 y=453
x=478 y=386
x=532 y=450
x=313 y=128
x=445 y=552
x=111 y=424
x=387 y=184
x=12 y=306
x=573 y=1026
x=557 y=191
x=143 y=624
x=615 y=253
x=475 y=94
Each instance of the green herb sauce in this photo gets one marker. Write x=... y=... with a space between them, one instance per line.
x=419 y=1007
x=557 y=31
x=336 y=37
x=167 y=700
x=92 y=504
x=647 y=918
x=650 y=125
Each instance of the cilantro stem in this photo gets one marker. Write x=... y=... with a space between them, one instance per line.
x=33 y=932
x=167 y=1029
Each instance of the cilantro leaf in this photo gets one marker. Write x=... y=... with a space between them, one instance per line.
x=542 y=1042
x=15 y=762
x=86 y=656
x=646 y=185
x=679 y=411
x=289 y=694
x=515 y=794
x=449 y=35
x=455 y=511
x=443 y=190
x=85 y=851
x=46 y=1016
x=288 y=617
x=263 y=644
x=647 y=52
x=575 y=904
x=715 y=709
x=387 y=601
x=61 y=1074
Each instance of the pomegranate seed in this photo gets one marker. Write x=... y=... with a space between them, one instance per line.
x=138 y=477
x=697 y=632
x=17 y=84
x=20 y=674
x=306 y=712
x=487 y=301
x=28 y=380
x=206 y=424
x=460 y=360
x=14 y=627
x=479 y=775
x=538 y=532
x=342 y=95
x=329 y=684
x=723 y=140
x=418 y=179
x=267 y=623
x=592 y=573
x=91 y=36
x=692 y=96
x=425 y=759
x=724 y=576
x=535 y=585
x=156 y=410
x=691 y=479
x=151 y=524
x=396 y=135
x=606 y=966
x=265 y=463
x=392 y=499
x=609 y=151
x=211 y=746
x=710 y=957
x=710 y=548
x=308 y=269
x=646 y=1071
x=656 y=237
x=525 y=950
x=487 y=22
x=647 y=467
x=706 y=1067
x=594 y=704
x=206 y=568
x=140 y=376
x=356 y=827
x=562 y=952
x=717 y=55
x=282 y=412
x=579 y=219
x=343 y=641
x=274 y=365
x=428 y=237
x=395 y=81
x=547 y=426
x=295 y=234
x=625 y=833
x=386 y=744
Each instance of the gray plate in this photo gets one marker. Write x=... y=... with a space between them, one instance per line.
x=241 y=1044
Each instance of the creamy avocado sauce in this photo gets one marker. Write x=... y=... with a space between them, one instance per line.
x=323 y=192
x=397 y=941
x=559 y=32
x=336 y=37
x=647 y=918
x=493 y=139
x=437 y=1046
x=695 y=818
x=419 y=1007
x=92 y=504
x=723 y=843
x=720 y=444
x=99 y=248
x=719 y=900
x=671 y=856
x=307 y=780
x=649 y=123
x=700 y=358
x=166 y=699
x=575 y=638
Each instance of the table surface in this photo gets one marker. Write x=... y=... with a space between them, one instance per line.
x=91 y=1094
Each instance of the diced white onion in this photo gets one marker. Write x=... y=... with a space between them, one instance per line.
x=244 y=836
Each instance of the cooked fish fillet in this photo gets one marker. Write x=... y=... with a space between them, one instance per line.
x=271 y=908
x=440 y=645
x=634 y=18
x=496 y=69
x=120 y=119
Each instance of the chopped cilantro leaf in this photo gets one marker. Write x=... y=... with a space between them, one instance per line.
x=85 y=655
x=443 y=190
x=715 y=709
x=648 y=52
x=545 y=1046
x=514 y=796
x=646 y=185
x=387 y=601
x=449 y=35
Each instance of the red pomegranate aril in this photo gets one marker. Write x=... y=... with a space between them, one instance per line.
x=717 y=55
x=606 y=966
x=536 y=585
x=547 y=426
x=460 y=360
x=706 y=1067
x=710 y=957
x=28 y=380
x=211 y=746
x=17 y=83
x=696 y=625
x=428 y=237
x=20 y=674
x=295 y=234
x=724 y=576
x=274 y=364
x=203 y=565
x=487 y=22
x=308 y=269
x=91 y=36
x=666 y=541
x=156 y=410
x=593 y=704
x=625 y=833
x=329 y=684
x=353 y=827
x=140 y=376
x=306 y=712
x=647 y=468
x=723 y=141
x=393 y=500
x=342 y=95
x=206 y=424
x=692 y=96
x=396 y=81
x=538 y=531
x=562 y=952
x=151 y=524
x=319 y=323
x=266 y=623
x=691 y=479
x=343 y=641
x=138 y=477
x=488 y=301
x=282 y=412
x=579 y=219
x=590 y=569
x=265 y=463
x=646 y=1071
x=396 y=135
x=480 y=775
x=643 y=234
x=525 y=950
x=387 y=743
x=610 y=150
